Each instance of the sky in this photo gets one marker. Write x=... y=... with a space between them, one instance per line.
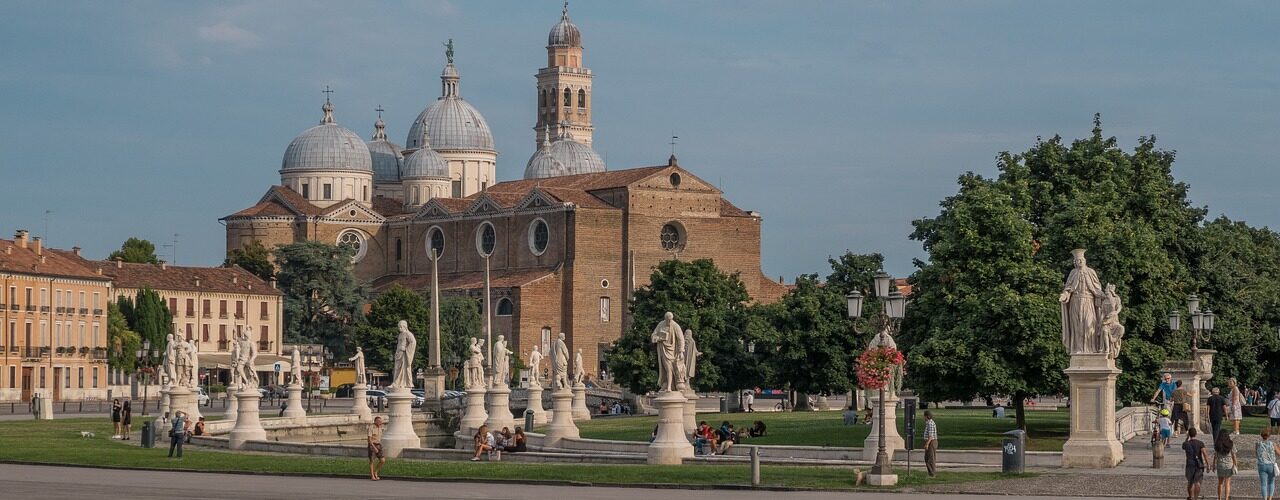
x=839 y=122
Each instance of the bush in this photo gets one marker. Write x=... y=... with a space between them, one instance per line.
x=217 y=388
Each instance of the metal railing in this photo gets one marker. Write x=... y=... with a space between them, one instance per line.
x=84 y=310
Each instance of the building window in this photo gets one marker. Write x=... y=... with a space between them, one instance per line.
x=568 y=97
x=204 y=312
x=539 y=235
x=239 y=309
x=504 y=307
x=96 y=300
x=542 y=98
x=457 y=188
x=364 y=190
x=66 y=377
x=486 y=239
x=80 y=377
x=672 y=237
x=173 y=306
x=354 y=239
x=95 y=377
x=582 y=99
x=42 y=385
x=191 y=330
x=306 y=190
x=264 y=313
x=222 y=309
x=222 y=336
x=604 y=309
x=675 y=179
x=191 y=308
x=435 y=240
x=13 y=374
x=399 y=250
x=204 y=333
x=328 y=191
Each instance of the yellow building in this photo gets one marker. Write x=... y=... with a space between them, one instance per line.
x=53 y=322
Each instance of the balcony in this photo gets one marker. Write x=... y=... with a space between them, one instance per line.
x=265 y=317
x=35 y=352
x=206 y=315
x=13 y=349
x=98 y=354
x=14 y=307
x=264 y=345
x=84 y=311
x=31 y=308
x=222 y=315
x=44 y=309
x=97 y=312
x=59 y=310
x=239 y=316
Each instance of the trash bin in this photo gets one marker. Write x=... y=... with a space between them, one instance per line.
x=1013 y=452
x=528 y=420
x=149 y=434
x=724 y=405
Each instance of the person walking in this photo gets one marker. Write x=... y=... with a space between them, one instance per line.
x=930 y=444
x=1217 y=410
x=177 y=433
x=1236 y=413
x=1181 y=409
x=376 y=458
x=1273 y=411
x=115 y=417
x=1266 y=451
x=126 y=419
x=749 y=399
x=1197 y=458
x=1224 y=457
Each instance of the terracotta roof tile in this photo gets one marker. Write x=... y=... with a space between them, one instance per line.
x=211 y=279
x=728 y=209
x=580 y=182
x=14 y=259
x=388 y=207
x=466 y=280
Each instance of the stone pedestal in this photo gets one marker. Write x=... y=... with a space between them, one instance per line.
x=892 y=439
x=580 y=410
x=248 y=426
x=671 y=445
x=164 y=402
x=1185 y=370
x=535 y=404
x=823 y=404
x=399 y=434
x=562 y=425
x=180 y=400
x=690 y=412
x=294 y=407
x=433 y=386
x=360 y=403
x=233 y=405
x=475 y=416
x=1092 y=443
x=499 y=408
x=882 y=479
x=46 y=407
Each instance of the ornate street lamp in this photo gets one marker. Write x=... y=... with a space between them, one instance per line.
x=1201 y=322
x=894 y=307
x=146 y=362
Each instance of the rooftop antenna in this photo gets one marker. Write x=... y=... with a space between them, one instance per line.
x=47 y=213
x=174 y=248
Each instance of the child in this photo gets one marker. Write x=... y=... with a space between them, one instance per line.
x=1166 y=426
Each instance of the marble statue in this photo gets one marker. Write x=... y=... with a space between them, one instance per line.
x=295 y=371
x=358 y=361
x=501 y=361
x=448 y=50
x=248 y=371
x=1080 y=301
x=406 y=346
x=691 y=354
x=194 y=359
x=182 y=363
x=235 y=360
x=535 y=366
x=170 y=360
x=670 y=343
x=577 y=367
x=560 y=364
x=1112 y=330
x=473 y=373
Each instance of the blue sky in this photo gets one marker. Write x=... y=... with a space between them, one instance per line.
x=840 y=122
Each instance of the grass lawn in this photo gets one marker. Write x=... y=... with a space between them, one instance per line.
x=957 y=429
x=59 y=442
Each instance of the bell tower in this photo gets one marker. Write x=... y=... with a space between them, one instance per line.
x=564 y=85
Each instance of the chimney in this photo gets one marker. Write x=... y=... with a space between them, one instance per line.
x=119 y=262
x=99 y=270
x=273 y=282
x=235 y=280
x=197 y=282
x=39 y=249
x=75 y=250
x=163 y=265
x=20 y=238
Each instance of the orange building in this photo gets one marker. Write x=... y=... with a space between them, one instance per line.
x=53 y=322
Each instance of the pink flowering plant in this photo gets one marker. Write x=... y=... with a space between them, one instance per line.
x=876 y=366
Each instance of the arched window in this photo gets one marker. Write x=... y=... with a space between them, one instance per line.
x=542 y=98
x=582 y=99
x=504 y=307
x=399 y=252
x=553 y=98
x=568 y=97
x=486 y=239
x=353 y=238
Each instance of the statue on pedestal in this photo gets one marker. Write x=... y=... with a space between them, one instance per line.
x=1112 y=330
x=248 y=377
x=235 y=362
x=358 y=361
x=501 y=361
x=577 y=367
x=669 y=338
x=181 y=363
x=535 y=366
x=295 y=370
x=473 y=369
x=560 y=364
x=406 y=346
x=691 y=354
x=170 y=360
x=193 y=358
x=1090 y=314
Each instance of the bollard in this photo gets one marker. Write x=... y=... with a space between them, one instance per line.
x=528 y=420
x=1157 y=454
x=755 y=466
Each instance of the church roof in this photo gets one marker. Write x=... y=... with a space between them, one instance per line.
x=234 y=279
x=467 y=280
x=49 y=262
x=279 y=201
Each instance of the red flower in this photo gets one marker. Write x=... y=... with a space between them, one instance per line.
x=876 y=366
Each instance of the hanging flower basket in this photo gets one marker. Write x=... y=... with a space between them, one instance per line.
x=876 y=366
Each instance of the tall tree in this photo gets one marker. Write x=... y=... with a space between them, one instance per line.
x=377 y=335
x=816 y=347
x=137 y=251
x=459 y=321
x=253 y=257
x=702 y=298
x=122 y=343
x=322 y=298
x=151 y=318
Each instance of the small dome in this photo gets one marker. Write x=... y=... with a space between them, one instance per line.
x=425 y=163
x=452 y=124
x=564 y=33
x=385 y=155
x=565 y=156
x=327 y=147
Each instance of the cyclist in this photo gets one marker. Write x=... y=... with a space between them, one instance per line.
x=1164 y=392
x=1166 y=427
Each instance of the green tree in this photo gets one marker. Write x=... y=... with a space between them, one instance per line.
x=816 y=347
x=1240 y=266
x=322 y=299
x=122 y=343
x=137 y=251
x=253 y=257
x=702 y=298
x=149 y=316
x=459 y=321
x=378 y=334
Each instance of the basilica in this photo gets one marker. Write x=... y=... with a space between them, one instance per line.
x=565 y=246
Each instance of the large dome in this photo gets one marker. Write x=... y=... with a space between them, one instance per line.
x=564 y=33
x=425 y=163
x=327 y=147
x=451 y=121
x=565 y=156
x=385 y=155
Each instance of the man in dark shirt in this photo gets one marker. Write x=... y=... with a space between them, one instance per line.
x=1181 y=407
x=1217 y=410
x=1197 y=457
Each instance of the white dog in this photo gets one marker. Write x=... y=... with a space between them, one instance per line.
x=86 y=434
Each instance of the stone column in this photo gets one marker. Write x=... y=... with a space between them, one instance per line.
x=1185 y=371
x=535 y=404
x=689 y=412
x=892 y=439
x=475 y=415
x=294 y=410
x=671 y=445
x=580 y=410
x=180 y=400
x=233 y=405
x=360 y=403
x=1092 y=443
x=499 y=408
x=164 y=401
x=248 y=426
x=823 y=404
x=562 y=425
x=400 y=434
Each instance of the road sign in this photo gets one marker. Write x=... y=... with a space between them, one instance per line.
x=277 y=367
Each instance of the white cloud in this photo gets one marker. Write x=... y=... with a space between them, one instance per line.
x=227 y=34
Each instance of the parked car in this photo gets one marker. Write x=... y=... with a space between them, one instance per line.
x=202 y=398
x=374 y=395
x=344 y=391
x=263 y=393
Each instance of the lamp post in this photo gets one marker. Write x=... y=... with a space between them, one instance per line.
x=1201 y=322
x=146 y=360
x=888 y=320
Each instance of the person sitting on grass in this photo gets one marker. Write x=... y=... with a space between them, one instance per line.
x=484 y=442
x=726 y=436
x=757 y=429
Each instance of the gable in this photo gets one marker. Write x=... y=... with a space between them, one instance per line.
x=674 y=178
x=353 y=210
x=484 y=204
x=536 y=199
